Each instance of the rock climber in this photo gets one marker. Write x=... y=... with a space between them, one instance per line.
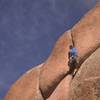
x=72 y=56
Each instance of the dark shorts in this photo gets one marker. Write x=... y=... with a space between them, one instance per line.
x=72 y=63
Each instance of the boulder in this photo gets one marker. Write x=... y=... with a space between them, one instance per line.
x=27 y=87
x=51 y=80
x=62 y=89
x=86 y=33
x=86 y=84
x=56 y=67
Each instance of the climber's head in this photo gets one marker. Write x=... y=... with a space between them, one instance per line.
x=71 y=46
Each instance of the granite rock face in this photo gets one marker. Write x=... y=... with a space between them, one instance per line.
x=86 y=33
x=56 y=67
x=27 y=87
x=86 y=84
x=51 y=80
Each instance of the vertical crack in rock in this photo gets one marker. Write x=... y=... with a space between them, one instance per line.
x=85 y=57
x=67 y=40
x=73 y=43
x=42 y=93
x=49 y=78
x=72 y=38
x=56 y=85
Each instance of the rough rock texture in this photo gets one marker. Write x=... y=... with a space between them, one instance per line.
x=62 y=89
x=86 y=84
x=58 y=60
x=86 y=37
x=51 y=81
x=86 y=33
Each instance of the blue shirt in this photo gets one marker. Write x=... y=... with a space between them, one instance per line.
x=73 y=52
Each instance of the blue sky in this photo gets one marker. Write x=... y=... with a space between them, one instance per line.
x=28 y=31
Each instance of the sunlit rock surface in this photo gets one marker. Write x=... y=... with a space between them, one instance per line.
x=50 y=81
x=27 y=87
x=86 y=84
